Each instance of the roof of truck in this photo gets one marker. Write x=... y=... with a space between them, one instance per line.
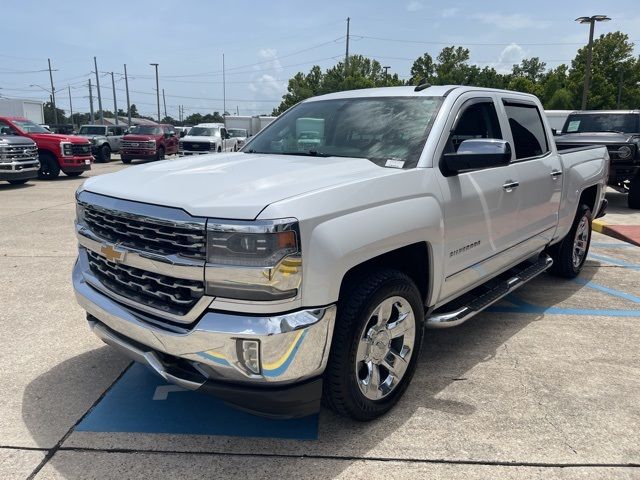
x=410 y=91
x=589 y=112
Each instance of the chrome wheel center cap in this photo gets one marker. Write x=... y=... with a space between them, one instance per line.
x=379 y=345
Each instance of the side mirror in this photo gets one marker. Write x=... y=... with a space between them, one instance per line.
x=182 y=133
x=477 y=153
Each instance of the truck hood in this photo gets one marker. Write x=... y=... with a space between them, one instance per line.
x=596 y=138
x=139 y=138
x=231 y=186
x=91 y=137
x=15 y=140
x=53 y=137
x=192 y=138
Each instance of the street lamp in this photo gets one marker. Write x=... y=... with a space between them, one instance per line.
x=157 y=89
x=587 y=72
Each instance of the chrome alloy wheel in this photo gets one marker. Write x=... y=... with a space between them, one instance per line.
x=580 y=242
x=385 y=347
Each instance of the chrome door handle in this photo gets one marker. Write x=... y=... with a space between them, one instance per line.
x=555 y=173
x=510 y=185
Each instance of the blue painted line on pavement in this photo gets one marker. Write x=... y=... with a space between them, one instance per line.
x=610 y=291
x=129 y=407
x=613 y=261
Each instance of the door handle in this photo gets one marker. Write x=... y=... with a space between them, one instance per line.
x=555 y=173
x=510 y=185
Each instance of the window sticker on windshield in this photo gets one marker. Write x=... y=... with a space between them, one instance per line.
x=394 y=163
x=573 y=126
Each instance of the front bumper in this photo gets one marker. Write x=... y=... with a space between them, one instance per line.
x=208 y=355
x=186 y=153
x=141 y=153
x=19 y=170
x=76 y=163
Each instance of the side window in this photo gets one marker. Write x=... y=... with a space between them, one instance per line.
x=223 y=133
x=110 y=130
x=527 y=129
x=479 y=120
x=117 y=130
x=5 y=129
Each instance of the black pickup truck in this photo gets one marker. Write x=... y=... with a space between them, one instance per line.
x=619 y=131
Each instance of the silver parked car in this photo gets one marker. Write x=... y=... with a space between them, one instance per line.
x=104 y=139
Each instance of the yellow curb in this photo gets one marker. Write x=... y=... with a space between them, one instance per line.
x=598 y=225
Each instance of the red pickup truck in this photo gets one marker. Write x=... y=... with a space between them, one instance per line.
x=149 y=142
x=67 y=153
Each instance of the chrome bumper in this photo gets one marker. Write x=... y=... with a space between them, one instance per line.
x=16 y=168
x=293 y=347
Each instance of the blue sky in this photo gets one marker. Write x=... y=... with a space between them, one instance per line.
x=266 y=42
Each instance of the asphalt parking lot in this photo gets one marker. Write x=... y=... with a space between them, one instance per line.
x=542 y=385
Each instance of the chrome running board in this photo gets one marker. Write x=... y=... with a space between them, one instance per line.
x=464 y=313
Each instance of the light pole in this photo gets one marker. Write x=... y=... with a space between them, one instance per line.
x=386 y=75
x=587 y=70
x=157 y=88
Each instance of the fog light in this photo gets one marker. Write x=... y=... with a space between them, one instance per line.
x=251 y=355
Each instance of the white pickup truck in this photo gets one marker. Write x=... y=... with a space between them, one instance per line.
x=308 y=265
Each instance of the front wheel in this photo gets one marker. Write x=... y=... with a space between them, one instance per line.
x=376 y=344
x=570 y=254
x=633 y=197
x=105 y=153
x=73 y=174
x=160 y=154
x=49 y=168
x=125 y=160
x=18 y=182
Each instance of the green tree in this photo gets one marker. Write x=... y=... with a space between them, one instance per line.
x=49 y=117
x=530 y=68
x=612 y=54
x=423 y=68
x=452 y=67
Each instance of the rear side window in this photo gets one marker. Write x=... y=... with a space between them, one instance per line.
x=527 y=129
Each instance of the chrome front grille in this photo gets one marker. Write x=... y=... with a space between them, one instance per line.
x=19 y=153
x=168 y=294
x=145 y=233
x=138 y=144
x=196 y=146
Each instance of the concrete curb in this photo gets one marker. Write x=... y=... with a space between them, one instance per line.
x=626 y=233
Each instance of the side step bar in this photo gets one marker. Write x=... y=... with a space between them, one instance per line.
x=462 y=314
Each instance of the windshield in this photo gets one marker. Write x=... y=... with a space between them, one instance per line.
x=146 y=130
x=602 y=122
x=376 y=128
x=30 y=127
x=237 y=132
x=89 y=130
x=204 y=132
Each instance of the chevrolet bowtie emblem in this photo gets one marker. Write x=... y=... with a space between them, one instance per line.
x=111 y=254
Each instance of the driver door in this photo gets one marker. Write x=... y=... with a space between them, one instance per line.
x=480 y=212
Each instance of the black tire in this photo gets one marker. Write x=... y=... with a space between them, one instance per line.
x=633 y=197
x=49 y=168
x=73 y=174
x=341 y=391
x=105 y=153
x=564 y=263
x=160 y=154
x=18 y=182
x=126 y=160
x=219 y=149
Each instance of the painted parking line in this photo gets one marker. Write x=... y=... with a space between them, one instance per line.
x=610 y=291
x=613 y=261
x=142 y=402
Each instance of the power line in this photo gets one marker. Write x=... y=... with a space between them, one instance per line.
x=421 y=42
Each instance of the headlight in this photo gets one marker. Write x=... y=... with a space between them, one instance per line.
x=66 y=149
x=624 y=152
x=152 y=143
x=258 y=261
x=79 y=206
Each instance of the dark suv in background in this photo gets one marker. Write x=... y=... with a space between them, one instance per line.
x=149 y=142
x=619 y=131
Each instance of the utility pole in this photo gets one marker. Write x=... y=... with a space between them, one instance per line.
x=53 y=94
x=100 y=112
x=587 y=72
x=126 y=86
x=224 y=90
x=115 y=103
x=157 y=89
x=346 y=53
x=93 y=118
x=386 y=75
x=164 y=102
x=237 y=110
x=619 y=88
x=70 y=105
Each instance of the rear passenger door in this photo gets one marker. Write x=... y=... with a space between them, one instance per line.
x=539 y=170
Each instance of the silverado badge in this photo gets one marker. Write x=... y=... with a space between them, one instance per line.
x=111 y=253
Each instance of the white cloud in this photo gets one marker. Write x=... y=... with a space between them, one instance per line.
x=414 y=6
x=510 y=55
x=515 y=21
x=265 y=84
x=269 y=61
x=449 y=12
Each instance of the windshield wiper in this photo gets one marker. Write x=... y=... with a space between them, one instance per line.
x=308 y=153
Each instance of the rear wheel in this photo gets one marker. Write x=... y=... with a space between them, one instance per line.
x=376 y=344
x=570 y=254
x=18 y=182
x=633 y=198
x=49 y=168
